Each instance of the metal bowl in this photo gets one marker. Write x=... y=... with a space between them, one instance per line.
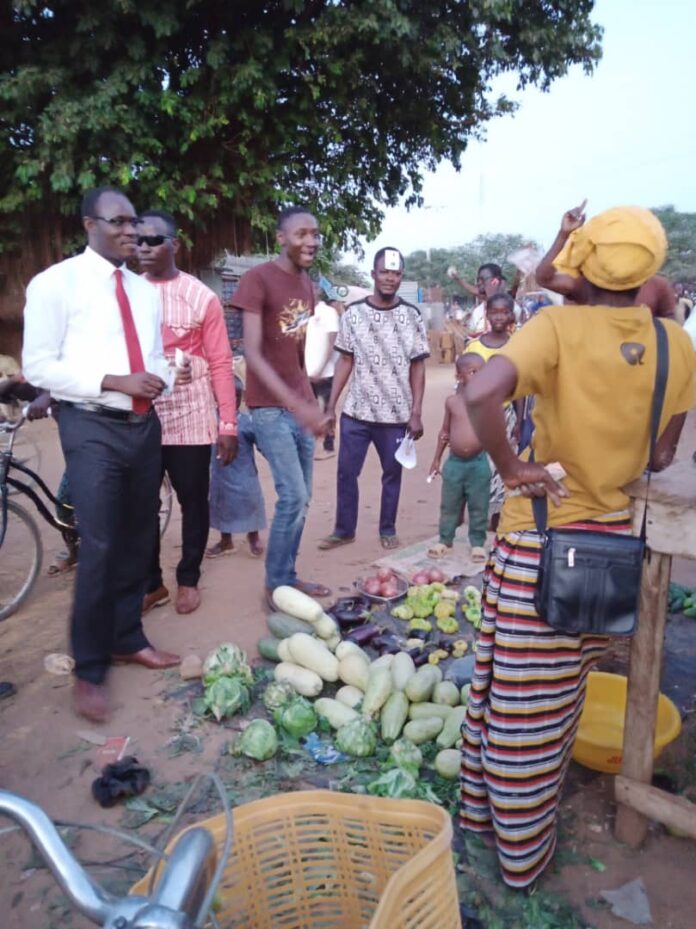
x=402 y=586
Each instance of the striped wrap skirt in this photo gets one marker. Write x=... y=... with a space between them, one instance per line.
x=525 y=702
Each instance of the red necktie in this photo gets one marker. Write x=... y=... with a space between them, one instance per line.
x=135 y=355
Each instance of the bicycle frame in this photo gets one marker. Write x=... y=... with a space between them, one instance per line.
x=68 y=532
x=178 y=897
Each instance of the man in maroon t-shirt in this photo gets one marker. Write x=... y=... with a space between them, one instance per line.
x=277 y=300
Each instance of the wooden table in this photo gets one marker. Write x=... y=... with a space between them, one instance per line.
x=671 y=531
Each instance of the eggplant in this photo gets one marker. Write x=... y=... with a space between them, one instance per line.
x=419 y=655
x=386 y=644
x=354 y=604
x=421 y=634
x=361 y=635
x=348 y=618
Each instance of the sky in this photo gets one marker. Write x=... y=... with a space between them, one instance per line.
x=624 y=135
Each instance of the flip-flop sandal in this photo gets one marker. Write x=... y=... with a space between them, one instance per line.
x=478 y=555
x=215 y=551
x=389 y=542
x=64 y=562
x=439 y=550
x=334 y=541
x=312 y=589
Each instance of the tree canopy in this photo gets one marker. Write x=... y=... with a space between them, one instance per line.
x=430 y=267
x=681 y=235
x=222 y=111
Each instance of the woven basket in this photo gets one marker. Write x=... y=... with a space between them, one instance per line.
x=323 y=860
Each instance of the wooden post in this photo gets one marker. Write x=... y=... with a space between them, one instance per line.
x=643 y=690
x=675 y=812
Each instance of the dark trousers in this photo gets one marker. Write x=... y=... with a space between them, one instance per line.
x=322 y=391
x=356 y=436
x=188 y=467
x=113 y=469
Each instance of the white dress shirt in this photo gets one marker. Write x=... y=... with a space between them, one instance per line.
x=73 y=334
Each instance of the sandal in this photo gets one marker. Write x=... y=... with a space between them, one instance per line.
x=219 y=549
x=478 y=554
x=389 y=541
x=439 y=550
x=312 y=589
x=334 y=541
x=256 y=549
x=64 y=562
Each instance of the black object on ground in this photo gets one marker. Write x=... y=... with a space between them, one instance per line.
x=125 y=778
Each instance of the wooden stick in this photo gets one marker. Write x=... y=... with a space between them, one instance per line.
x=676 y=812
x=643 y=690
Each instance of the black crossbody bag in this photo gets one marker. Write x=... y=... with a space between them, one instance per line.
x=589 y=582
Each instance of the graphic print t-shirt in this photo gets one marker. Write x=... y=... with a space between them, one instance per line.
x=285 y=302
x=383 y=344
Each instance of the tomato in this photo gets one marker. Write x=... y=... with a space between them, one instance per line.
x=373 y=586
x=385 y=574
x=435 y=574
x=389 y=590
x=421 y=577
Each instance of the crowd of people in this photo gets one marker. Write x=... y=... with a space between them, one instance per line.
x=141 y=369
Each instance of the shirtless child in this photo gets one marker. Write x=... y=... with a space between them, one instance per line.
x=466 y=475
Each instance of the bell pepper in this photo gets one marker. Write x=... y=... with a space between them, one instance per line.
x=420 y=624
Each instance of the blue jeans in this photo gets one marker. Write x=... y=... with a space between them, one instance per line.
x=290 y=453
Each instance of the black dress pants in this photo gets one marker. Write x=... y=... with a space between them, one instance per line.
x=188 y=467
x=113 y=469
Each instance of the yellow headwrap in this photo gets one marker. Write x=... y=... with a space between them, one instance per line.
x=616 y=250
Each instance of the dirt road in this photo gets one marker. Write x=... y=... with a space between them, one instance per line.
x=42 y=755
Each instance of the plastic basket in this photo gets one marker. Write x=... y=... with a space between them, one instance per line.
x=323 y=860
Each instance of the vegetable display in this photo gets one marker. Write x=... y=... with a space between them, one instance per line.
x=343 y=679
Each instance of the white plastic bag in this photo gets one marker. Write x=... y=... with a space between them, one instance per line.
x=406 y=452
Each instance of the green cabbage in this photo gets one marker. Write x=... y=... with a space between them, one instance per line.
x=258 y=741
x=297 y=717
x=226 y=660
x=277 y=695
x=357 y=738
x=406 y=753
x=226 y=696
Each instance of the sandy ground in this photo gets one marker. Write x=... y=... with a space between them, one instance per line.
x=40 y=748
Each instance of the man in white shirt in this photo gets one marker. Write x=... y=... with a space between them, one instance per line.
x=92 y=338
x=320 y=357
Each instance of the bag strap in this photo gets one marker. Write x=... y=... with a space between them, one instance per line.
x=540 y=504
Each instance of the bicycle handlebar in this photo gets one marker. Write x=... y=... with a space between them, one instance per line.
x=178 y=896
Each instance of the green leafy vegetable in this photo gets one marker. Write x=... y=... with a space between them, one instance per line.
x=226 y=696
x=297 y=717
x=258 y=741
x=226 y=660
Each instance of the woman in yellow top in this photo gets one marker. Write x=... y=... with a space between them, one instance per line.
x=592 y=371
x=500 y=313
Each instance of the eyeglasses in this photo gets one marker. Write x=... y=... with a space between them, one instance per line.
x=153 y=240
x=118 y=222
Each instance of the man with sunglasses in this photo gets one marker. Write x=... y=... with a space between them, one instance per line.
x=92 y=338
x=192 y=323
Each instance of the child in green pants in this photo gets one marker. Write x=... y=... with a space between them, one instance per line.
x=466 y=475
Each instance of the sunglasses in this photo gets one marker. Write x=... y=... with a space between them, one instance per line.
x=153 y=240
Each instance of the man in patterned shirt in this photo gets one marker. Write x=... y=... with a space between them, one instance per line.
x=193 y=322
x=383 y=345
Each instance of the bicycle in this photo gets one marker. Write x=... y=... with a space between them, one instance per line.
x=185 y=891
x=20 y=538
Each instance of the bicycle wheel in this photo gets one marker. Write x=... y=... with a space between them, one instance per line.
x=20 y=559
x=165 y=510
